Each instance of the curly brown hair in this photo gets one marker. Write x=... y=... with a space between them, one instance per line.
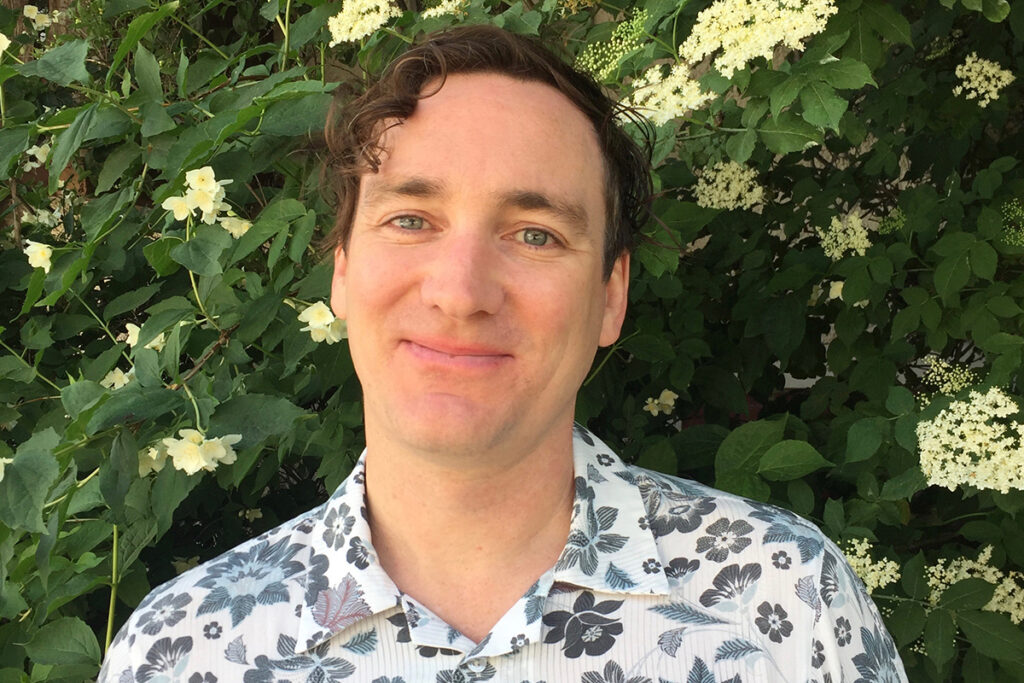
x=354 y=128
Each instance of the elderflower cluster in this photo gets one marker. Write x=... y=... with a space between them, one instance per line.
x=190 y=453
x=874 y=574
x=972 y=442
x=601 y=58
x=322 y=325
x=37 y=156
x=665 y=403
x=38 y=254
x=981 y=79
x=1008 y=596
x=728 y=185
x=948 y=378
x=747 y=29
x=358 y=19
x=1013 y=223
x=893 y=222
x=844 y=236
x=662 y=98
x=456 y=7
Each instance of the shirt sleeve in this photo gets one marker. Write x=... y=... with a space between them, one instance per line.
x=851 y=642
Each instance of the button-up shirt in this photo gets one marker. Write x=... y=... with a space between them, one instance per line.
x=661 y=579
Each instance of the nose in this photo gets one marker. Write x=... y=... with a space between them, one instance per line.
x=463 y=276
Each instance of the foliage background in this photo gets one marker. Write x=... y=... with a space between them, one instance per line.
x=807 y=401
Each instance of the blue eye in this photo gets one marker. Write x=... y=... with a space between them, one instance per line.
x=536 y=237
x=409 y=222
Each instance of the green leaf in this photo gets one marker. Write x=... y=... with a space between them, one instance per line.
x=134 y=403
x=993 y=634
x=983 y=260
x=835 y=516
x=950 y=277
x=120 y=470
x=740 y=146
x=790 y=459
x=158 y=253
x=200 y=254
x=785 y=93
x=844 y=74
x=900 y=401
x=661 y=457
x=786 y=133
x=967 y=594
x=822 y=107
x=27 y=481
x=147 y=74
x=938 y=637
x=79 y=396
x=68 y=143
x=907 y=622
x=864 y=438
x=904 y=485
x=977 y=668
x=13 y=141
x=100 y=213
x=912 y=578
x=139 y=27
x=892 y=25
x=62 y=65
x=741 y=451
x=116 y=164
x=235 y=416
x=1003 y=306
x=67 y=640
x=995 y=10
x=1002 y=342
x=155 y=120
x=650 y=347
x=129 y=301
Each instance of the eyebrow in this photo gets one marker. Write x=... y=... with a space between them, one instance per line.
x=571 y=213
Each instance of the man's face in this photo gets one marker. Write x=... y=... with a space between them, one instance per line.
x=472 y=279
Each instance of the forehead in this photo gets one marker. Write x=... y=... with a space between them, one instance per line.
x=485 y=132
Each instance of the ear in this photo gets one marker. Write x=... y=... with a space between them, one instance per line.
x=338 y=292
x=616 y=294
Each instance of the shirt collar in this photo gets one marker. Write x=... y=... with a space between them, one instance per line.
x=610 y=549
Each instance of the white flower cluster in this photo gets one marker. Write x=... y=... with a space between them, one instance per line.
x=601 y=58
x=43 y=218
x=981 y=79
x=456 y=7
x=665 y=403
x=191 y=453
x=358 y=19
x=117 y=378
x=40 y=20
x=971 y=442
x=37 y=156
x=728 y=185
x=874 y=574
x=322 y=325
x=662 y=98
x=38 y=254
x=1008 y=596
x=844 y=236
x=948 y=378
x=747 y=29
x=206 y=194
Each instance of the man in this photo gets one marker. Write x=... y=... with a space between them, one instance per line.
x=486 y=202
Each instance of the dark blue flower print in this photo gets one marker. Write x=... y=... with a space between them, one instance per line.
x=200 y=678
x=724 y=537
x=315 y=579
x=787 y=527
x=877 y=664
x=337 y=526
x=212 y=631
x=613 y=673
x=651 y=566
x=818 y=656
x=829 y=580
x=519 y=642
x=642 y=523
x=242 y=579
x=470 y=672
x=781 y=560
x=604 y=460
x=732 y=582
x=385 y=679
x=772 y=621
x=167 y=611
x=405 y=636
x=165 y=656
x=586 y=628
x=358 y=554
x=843 y=631
x=681 y=567
x=669 y=511
x=321 y=668
x=583 y=546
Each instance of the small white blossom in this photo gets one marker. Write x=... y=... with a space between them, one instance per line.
x=4 y=462
x=43 y=218
x=358 y=19
x=152 y=460
x=193 y=451
x=981 y=79
x=204 y=193
x=38 y=154
x=117 y=378
x=602 y=58
x=178 y=206
x=842 y=237
x=1008 y=596
x=202 y=179
x=456 y=7
x=39 y=255
x=665 y=403
x=235 y=226
x=5 y=42
x=835 y=290
x=874 y=574
x=662 y=98
x=728 y=185
x=156 y=343
x=322 y=325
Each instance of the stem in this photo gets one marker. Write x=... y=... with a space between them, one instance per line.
x=3 y=108
x=192 y=278
x=29 y=365
x=200 y=36
x=284 y=28
x=396 y=34
x=608 y=355
x=113 y=594
x=99 y=320
x=79 y=484
x=195 y=407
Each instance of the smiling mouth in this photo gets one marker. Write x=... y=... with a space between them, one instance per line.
x=452 y=355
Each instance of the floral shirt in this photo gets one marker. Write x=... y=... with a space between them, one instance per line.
x=661 y=579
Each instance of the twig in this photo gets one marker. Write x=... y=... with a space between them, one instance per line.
x=225 y=335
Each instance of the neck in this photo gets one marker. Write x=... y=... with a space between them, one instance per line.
x=444 y=530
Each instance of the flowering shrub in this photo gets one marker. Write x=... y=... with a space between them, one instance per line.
x=825 y=309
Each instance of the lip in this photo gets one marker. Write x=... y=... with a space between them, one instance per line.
x=455 y=354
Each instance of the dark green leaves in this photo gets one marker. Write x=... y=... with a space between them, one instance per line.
x=64 y=64
x=27 y=481
x=255 y=417
x=790 y=459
